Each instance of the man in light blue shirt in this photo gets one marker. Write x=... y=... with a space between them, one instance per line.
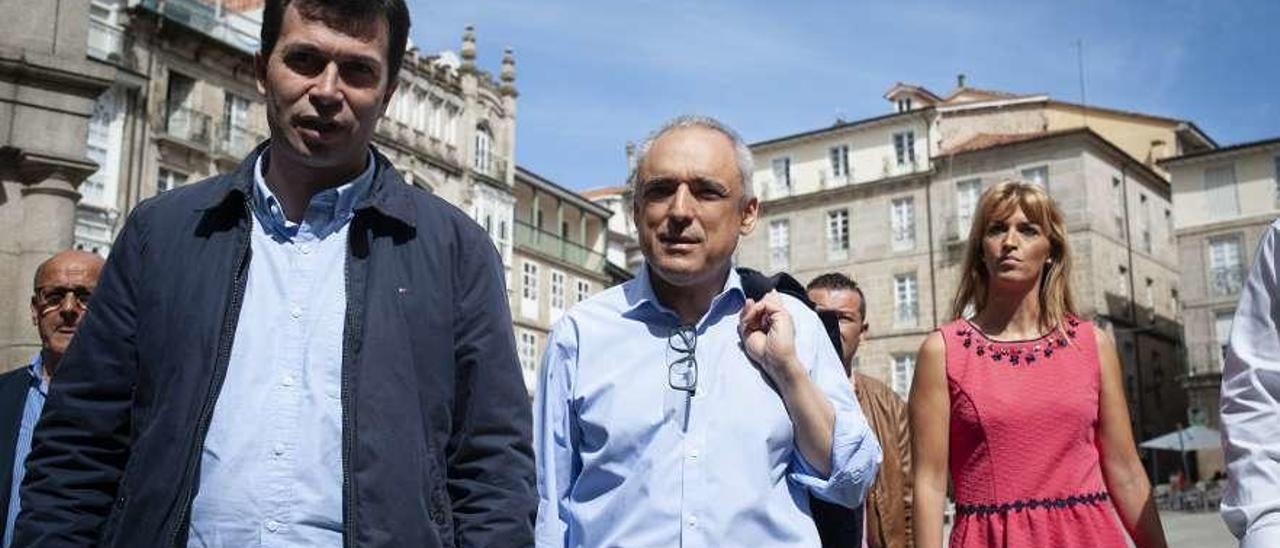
x=671 y=410
x=274 y=447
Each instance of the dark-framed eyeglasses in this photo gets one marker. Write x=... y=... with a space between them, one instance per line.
x=48 y=298
x=682 y=362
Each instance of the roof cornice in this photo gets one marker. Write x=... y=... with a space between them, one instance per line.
x=1232 y=151
x=856 y=125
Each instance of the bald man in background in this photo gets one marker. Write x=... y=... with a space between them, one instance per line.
x=61 y=291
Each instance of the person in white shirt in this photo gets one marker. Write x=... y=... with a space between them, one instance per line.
x=1251 y=405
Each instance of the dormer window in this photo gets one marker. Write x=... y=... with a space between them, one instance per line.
x=908 y=97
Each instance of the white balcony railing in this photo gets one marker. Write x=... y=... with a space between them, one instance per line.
x=188 y=125
x=108 y=43
x=235 y=141
x=228 y=26
x=826 y=181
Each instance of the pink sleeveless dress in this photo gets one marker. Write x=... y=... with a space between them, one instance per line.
x=1023 y=454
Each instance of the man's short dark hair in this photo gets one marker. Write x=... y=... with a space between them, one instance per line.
x=834 y=281
x=395 y=12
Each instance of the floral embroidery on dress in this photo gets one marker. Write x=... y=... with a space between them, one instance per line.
x=1016 y=352
x=1020 y=505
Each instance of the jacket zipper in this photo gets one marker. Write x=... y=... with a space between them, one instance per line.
x=349 y=336
x=215 y=385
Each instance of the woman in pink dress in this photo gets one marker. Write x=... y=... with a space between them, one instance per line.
x=1022 y=401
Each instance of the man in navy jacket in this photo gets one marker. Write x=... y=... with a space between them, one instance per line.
x=306 y=351
x=60 y=294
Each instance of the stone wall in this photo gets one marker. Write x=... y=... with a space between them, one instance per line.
x=48 y=89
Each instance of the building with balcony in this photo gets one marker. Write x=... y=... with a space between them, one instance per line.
x=560 y=243
x=851 y=198
x=890 y=147
x=183 y=104
x=1224 y=200
x=889 y=200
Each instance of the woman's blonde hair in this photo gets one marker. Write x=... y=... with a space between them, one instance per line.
x=998 y=202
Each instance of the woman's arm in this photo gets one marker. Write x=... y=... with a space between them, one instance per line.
x=930 y=411
x=1126 y=479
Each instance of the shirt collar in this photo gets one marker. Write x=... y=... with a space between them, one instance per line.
x=641 y=298
x=328 y=210
x=37 y=377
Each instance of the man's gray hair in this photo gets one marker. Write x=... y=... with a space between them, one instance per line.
x=741 y=153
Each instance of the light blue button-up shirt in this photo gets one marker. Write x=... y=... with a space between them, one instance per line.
x=36 y=393
x=626 y=460
x=271 y=468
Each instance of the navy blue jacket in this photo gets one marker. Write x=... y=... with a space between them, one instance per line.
x=436 y=419
x=13 y=401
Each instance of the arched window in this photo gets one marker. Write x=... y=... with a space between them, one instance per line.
x=484 y=149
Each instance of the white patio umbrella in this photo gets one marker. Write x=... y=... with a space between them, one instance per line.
x=1192 y=438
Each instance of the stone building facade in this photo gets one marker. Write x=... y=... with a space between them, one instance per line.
x=1225 y=200
x=47 y=92
x=1117 y=213
x=889 y=201
x=850 y=199
x=968 y=112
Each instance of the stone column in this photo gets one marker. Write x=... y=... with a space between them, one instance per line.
x=46 y=206
x=47 y=90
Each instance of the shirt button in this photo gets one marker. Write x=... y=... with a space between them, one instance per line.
x=296 y=312
x=288 y=380
x=278 y=449
x=693 y=454
x=272 y=525
x=693 y=521
x=304 y=249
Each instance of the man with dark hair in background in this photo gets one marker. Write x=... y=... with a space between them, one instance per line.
x=887 y=510
x=61 y=291
x=304 y=352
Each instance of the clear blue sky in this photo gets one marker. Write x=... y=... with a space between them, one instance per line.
x=594 y=74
